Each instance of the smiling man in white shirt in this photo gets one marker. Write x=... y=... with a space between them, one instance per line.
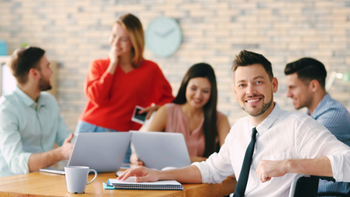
x=286 y=144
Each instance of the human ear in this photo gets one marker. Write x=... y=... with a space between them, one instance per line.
x=314 y=85
x=274 y=84
x=34 y=73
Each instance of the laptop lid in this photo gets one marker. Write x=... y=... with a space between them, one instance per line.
x=103 y=151
x=161 y=149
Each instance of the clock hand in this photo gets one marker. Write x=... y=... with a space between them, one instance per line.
x=158 y=34
x=168 y=32
x=164 y=34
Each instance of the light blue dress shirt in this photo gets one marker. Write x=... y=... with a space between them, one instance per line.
x=27 y=127
x=336 y=118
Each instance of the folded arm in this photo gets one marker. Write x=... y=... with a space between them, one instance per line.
x=318 y=167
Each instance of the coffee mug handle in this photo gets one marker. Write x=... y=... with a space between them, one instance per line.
x=94 y=177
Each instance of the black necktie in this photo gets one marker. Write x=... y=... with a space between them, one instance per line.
x=243 y=177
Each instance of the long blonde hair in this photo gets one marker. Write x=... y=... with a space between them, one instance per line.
x=134 y=27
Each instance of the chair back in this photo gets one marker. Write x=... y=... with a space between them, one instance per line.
x=304 y=186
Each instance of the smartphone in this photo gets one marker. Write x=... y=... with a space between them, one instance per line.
x=139 y=118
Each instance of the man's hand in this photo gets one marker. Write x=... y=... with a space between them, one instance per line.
x=67 y=147
x=142 y=174
x=149 y=110
x=268 y=169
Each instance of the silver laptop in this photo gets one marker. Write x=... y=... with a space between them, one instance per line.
x=161 y=149
x=103 y=152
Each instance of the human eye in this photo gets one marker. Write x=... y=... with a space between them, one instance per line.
x=241 y=85
x=124 y=39
x=258 y=82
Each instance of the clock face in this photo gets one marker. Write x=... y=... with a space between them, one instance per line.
x=163 y=36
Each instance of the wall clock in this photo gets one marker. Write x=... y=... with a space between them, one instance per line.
x=163 y=36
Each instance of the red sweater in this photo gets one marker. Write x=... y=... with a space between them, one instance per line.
x=112 y=98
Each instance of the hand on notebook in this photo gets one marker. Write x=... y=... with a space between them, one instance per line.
x=142 y=174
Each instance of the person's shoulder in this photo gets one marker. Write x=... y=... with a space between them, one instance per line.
x=334 y=105
x=330 y=111
x=291 y=116
x=171 y=107
x=220 y=116
x=8 y=100
x=10 y=104
x=100 y=62
x=150 y=65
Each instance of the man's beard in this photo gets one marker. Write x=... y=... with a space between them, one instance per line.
x=263 y=109
x=44 y=84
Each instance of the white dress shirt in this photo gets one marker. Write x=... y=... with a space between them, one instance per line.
x=282 y=135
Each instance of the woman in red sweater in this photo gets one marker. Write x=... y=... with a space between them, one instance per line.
x=114 y=86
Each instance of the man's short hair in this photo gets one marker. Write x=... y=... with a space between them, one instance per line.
x=246 y=58
x=307 y=70
x=22 y=60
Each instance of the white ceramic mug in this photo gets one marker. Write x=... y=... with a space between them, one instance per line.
x=76 y=178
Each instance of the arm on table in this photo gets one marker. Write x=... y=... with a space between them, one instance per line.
x=48 y=158
x=190 y=174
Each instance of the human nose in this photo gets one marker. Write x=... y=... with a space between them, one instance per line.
x=289 y=93
x=250 y=90
x=198 y=94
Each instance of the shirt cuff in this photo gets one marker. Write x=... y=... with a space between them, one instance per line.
x=20 y=166
x=337 y=162
x=204 y=169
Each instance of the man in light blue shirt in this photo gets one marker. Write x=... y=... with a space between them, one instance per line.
x=306 y=80
x=30 y=120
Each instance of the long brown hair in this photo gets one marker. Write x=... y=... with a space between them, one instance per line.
x=134 y=27
x=209 y=125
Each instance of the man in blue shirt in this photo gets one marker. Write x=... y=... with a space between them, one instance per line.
x=306 y=80
x=30 y=120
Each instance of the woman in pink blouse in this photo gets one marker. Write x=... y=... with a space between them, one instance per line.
x=193 y=113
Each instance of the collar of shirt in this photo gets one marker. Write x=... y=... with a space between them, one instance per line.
x=23 y=97
x=318 y=109
x=268 y=121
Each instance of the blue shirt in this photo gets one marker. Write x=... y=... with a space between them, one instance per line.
x=27 y=127
x=336 y=118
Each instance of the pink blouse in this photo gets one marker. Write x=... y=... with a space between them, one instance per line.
x=177 y=122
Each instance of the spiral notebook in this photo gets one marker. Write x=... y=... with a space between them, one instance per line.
x=130 y=184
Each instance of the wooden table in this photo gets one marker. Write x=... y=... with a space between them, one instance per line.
x=46 y=184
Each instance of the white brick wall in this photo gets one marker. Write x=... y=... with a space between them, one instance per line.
x=214 y=31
